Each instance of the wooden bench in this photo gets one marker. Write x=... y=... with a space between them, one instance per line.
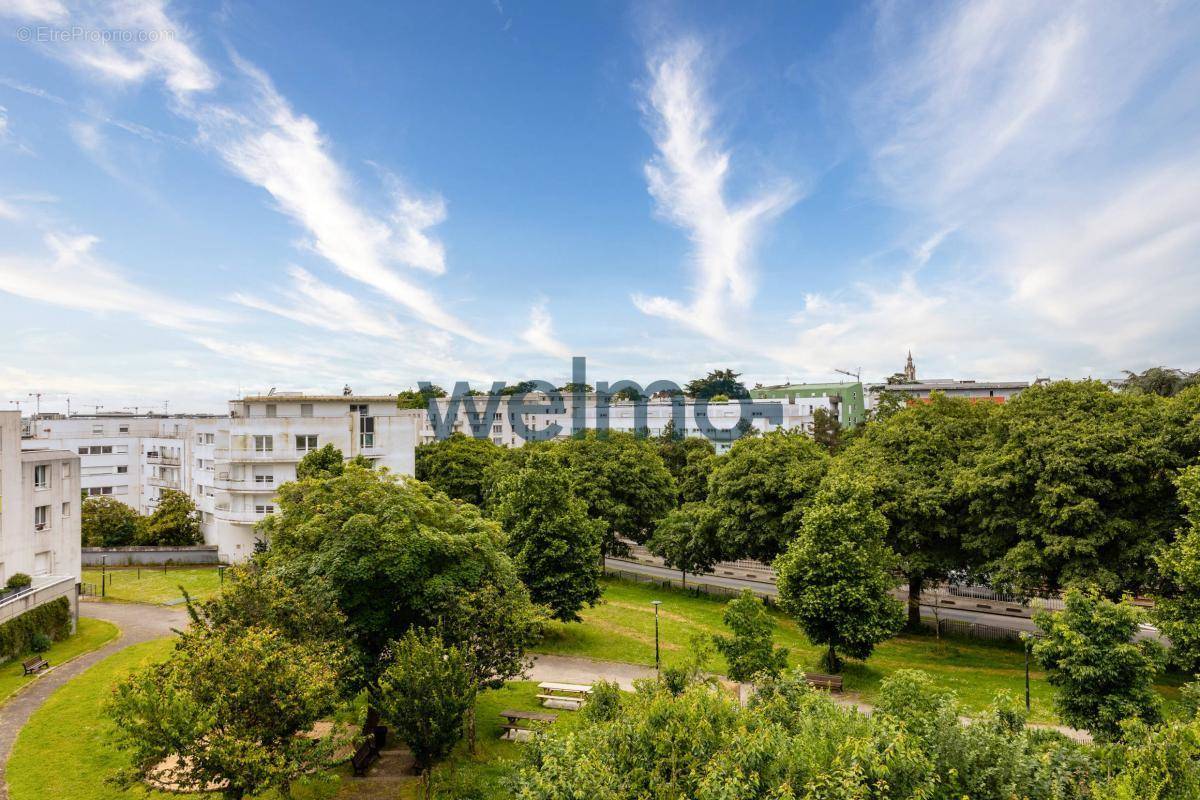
x=35 y=665
x=363 y=756
x=515 y=718
x=572 y=696
x=831 y=682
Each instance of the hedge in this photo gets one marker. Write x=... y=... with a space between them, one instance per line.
x=52 y=619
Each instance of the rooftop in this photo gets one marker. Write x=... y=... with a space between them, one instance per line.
x=934 y=385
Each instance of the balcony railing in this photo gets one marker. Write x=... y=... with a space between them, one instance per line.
x=164 y=483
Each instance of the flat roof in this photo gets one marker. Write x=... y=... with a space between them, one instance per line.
x=316 y=398
x=805 y=386
x=930 y=386
x=42 y=455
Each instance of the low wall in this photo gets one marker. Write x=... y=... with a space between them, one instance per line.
x=43 y=591
x=146 y=556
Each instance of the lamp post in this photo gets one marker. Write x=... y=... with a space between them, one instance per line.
x=657 y=662
x=1028 y=640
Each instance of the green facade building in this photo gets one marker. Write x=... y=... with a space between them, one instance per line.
x=849 y=397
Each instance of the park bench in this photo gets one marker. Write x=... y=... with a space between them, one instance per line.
x=831 y=682
x=35 y=665
x=514 y=719
x=363 y=756
x=569 y=696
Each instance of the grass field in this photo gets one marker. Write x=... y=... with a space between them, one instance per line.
x=621 y=628
x=92 y=633
x=154 y=584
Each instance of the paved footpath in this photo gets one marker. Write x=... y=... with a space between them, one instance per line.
x=138 y=623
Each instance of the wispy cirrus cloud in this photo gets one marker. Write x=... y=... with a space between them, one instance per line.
x=71 y=275
x=540 y=334
x=688 y=178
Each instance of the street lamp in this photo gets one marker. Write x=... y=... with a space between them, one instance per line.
x=1028 y=641
x=657 y=663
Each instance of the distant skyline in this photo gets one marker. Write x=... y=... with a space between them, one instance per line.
x=201 y=199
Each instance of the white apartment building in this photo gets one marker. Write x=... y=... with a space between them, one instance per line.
x=229 y=465
x=39 y=518
x=512 y=423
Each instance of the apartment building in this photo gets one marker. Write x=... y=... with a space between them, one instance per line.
x=39 y=518
x=511 y=422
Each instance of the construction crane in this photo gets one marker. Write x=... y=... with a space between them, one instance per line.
x=857 y=374
x=38 y=401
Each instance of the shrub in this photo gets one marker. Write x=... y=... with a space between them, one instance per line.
x=40 y=642
x=19 y=580
x=52 y=619
x=605 y=702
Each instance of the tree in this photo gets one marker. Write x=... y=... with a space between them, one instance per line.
x=826 y=430
x=107 y=522
x=325 y=462
x=456 y=465
x=174 y=523
x=576 y=388
x=552 y=541
x=520 y=387
x=751 y=650
x=1102 y=675
x=909 y=462
x=1177 y=609
x=836 y=576
x=719 y=381
x=623 y=481
x=397 y=554
x=628 y=395
x=689 y=459
x=227 y=708
x=419 y=398
x=425 y=691
x=1159 y=763
x=1161 y=381
x=1072 y=483
x=687 y=539
x=760 y=489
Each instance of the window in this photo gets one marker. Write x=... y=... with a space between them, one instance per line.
x=41 y=476
x=497 y=429
x=264 y=444
x=41 y=518
x=97 y=429
x=67 y=469
x=366 y=425
x=498 y=439
x=123 y=429
x=66 y=509
x=122 y=469
x=264 y=508
x=497 y=415
x=269 y=479
x=270 y=409
x=306 y=443
x=306 y=409
x=95 y=491
x=199 y=438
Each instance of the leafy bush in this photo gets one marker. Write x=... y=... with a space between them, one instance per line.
x=40 y=642
x=19 y=580
x=605 y=702
x=52 y=619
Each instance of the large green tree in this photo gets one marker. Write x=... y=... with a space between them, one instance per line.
x=457 y=464
x=396 y=553
x=324 y=462
x=419 y=398
x=1177 y=608
x=760 y=489
x=1103 y=676
x=175 y=522
x=689 y=459
x=425 y=692
x=551 y=538
x=227 y=709
x=909 y=463
x=688 y=539
x=836 y=576
x=717 y=382
x=107 y=522
x=1072 y=483
x=1162 y=381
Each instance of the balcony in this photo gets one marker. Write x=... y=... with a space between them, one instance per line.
x=156 y=457
x=227 y=484
x=230 y=456
x=239 y=517
x=162 y=483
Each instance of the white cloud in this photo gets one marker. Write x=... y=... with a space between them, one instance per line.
x=158 y=46
x=687 y=179
x=540 y=333
x=72 y=276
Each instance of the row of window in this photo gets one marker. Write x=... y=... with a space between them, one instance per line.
x=103 y=449
x=304 y=443
x=41 y=516
x=41 y=474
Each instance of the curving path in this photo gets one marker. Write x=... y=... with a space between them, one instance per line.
x=138 y=623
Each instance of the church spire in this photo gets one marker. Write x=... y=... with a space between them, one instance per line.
x=910 y=369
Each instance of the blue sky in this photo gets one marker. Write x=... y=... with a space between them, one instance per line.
x=201 y=199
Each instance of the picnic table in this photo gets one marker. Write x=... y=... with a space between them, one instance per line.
x=570 y=696
x=514 y=720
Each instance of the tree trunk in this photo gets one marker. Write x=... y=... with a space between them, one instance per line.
x=372 y=721
x=428 y=782
x=832 y=662
x=471 y=729
x=683 y=572
x=916 y=582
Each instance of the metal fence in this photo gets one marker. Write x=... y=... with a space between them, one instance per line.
x=696 y=584
x=972 y=630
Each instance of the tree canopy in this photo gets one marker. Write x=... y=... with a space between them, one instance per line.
x=760 y=488
x=107 y=522
x=719 y=381
x=1177 y=607
x=419 y=398
x=175 y=522
x=457 y=464
x=1162 y=381
x=688 y=539
x=323 y=462
x=751 y=650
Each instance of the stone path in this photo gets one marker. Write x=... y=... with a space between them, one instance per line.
x=138 y=623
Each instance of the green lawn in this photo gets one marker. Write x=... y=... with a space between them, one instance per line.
x=154 y=584
x=621 y=628
x=92 y=633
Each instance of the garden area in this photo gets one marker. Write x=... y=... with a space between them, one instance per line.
x=91 y=634
x=151 y=584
